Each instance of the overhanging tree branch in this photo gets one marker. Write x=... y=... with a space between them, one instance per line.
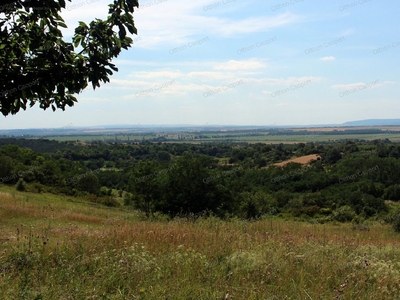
x=38 y=66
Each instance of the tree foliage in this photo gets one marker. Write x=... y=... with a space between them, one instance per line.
x=38 y=65
x=145 y=186
x=190 y=180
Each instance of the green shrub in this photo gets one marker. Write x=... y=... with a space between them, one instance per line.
x=344 y=214
x=396 y=221
x=21 y=185
x=110 y=201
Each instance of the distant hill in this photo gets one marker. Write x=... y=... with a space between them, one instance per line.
x=374 y=122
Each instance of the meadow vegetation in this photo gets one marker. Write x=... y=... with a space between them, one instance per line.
x=57 y=247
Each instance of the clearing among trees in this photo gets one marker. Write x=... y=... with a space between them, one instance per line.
x=304 y=160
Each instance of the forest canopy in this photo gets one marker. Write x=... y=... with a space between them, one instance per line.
x=347 y=181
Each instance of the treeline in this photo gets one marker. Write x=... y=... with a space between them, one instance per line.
x=351 y=181
x=38 y=145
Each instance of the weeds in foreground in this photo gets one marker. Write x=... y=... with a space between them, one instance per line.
x=78 y=253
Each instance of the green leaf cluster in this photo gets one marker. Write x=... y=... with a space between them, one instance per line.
x=39 y=66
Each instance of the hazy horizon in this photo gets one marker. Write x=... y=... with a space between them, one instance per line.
x=352 y=123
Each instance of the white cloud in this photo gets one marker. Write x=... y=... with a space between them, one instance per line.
x=156 y=74
x=374 y=83
x=195 y=17
x=252 y=25
x=209 y=75
x=157 y=27
x=348 y=86
x=174 y=89
x=327 y=58
x=234 y=65
x=348 y=32
x=284 y=82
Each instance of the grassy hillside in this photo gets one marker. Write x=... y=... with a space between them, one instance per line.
x=54 y=247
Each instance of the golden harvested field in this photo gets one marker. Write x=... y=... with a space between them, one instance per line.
x=304 y=160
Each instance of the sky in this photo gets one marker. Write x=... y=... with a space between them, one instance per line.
x=241 y=62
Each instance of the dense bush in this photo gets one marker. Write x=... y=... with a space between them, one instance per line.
x=21 y=185
x=396 y=221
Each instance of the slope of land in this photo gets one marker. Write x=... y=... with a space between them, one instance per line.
x=65 y=248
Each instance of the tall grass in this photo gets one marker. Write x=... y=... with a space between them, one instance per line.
x=52 y=248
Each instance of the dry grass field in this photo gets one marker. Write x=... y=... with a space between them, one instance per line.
x=304 y=160
x=63 y=248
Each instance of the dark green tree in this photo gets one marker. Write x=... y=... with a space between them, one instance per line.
x=145 y=186
x=6 y=166
x=191 y=188
x=392 y=192
x=254 y=205
x=163 y=156
x=332 y=156
x=89 y=183
x=37 y=65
